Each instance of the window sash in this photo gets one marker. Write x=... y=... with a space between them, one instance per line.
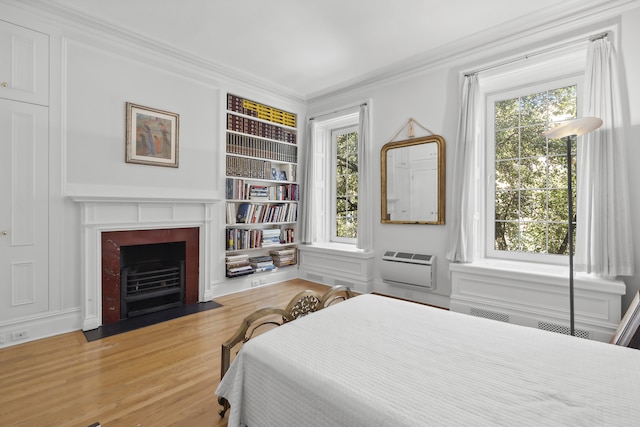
x=335 y=133
x=490 y=220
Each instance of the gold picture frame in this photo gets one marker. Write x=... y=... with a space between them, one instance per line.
x=152 y=136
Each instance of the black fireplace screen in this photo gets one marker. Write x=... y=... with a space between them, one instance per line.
x=152 y=278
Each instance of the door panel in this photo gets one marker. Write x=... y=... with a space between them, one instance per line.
x=24 y=233
x=24 y=56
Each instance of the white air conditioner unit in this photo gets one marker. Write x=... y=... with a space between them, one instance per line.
x=407 y=268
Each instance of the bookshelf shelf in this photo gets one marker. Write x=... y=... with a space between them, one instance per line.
x=261 y=187
x=261 y=248
x=257 y=224
x=261 y=202
x=233 y=132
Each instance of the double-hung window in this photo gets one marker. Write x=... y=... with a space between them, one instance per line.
x=336 y=180
x=527 y=211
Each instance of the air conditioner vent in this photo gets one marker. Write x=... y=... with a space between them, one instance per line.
x=408 y=268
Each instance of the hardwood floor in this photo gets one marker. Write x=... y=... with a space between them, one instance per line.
x=161 y=375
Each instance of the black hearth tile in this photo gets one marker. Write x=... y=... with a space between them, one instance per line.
x=133 y=323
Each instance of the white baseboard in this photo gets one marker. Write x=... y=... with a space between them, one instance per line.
x=37 y=327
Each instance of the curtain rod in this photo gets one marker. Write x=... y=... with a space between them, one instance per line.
x=540 y=52
x=337 y=111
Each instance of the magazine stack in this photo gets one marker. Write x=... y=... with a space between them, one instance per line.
x=284 y=257
x=262 y=263
x=238 y=265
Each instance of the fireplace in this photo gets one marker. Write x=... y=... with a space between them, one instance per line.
x=151 y=278
x=145 y=271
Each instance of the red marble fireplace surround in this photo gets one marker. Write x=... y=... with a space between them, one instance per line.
x=113 y=240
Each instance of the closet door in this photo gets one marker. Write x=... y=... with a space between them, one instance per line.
x=24 y=69
x=24 y=232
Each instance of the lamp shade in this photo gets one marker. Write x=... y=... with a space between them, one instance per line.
x=576 y=127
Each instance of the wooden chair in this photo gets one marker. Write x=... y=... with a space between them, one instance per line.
x=253 y=325
x=334 y=295
x=264 y=319
x=304 y=303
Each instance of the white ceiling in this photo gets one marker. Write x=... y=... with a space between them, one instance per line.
x=311 y=47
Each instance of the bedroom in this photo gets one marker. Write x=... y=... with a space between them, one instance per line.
x=95 y=70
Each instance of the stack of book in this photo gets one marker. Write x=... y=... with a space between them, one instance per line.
x=238 y=265
x=270 y=237
x=259 y=192
x=284 y=257
x=262 y=263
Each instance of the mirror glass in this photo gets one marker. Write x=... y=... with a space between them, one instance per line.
x=413 y=181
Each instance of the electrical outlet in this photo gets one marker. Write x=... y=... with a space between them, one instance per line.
x=255 y=283
x=19 y=335
x=1 y=339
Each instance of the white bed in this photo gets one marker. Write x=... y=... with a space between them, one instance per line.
x=377 y=361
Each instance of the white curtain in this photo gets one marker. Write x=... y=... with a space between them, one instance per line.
x=463 y=197
x=365 y=237
x=306 y=187
x=603 y=239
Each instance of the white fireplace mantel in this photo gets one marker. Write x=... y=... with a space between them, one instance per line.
x=112 y=213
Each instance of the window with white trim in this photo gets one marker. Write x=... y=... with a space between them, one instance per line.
x=336 y=181
x=527 y=193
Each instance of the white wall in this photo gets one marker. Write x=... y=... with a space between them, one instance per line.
x=99 y=82
x=629 y=57
x=93 y=74
x=431 y=97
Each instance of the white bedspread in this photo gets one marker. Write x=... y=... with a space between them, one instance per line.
x=377 y=361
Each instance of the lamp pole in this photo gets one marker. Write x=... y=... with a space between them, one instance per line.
x=570 y=237
x=568 y=129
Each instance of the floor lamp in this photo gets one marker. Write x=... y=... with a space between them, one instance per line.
x=577 y=127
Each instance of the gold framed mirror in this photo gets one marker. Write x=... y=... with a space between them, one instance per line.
x=413 y=181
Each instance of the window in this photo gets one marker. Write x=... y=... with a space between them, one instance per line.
x=335 y=187
x=527 y=203
x=344 y=184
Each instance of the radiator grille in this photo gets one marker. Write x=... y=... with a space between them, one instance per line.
x=560 y=329
x=489 y=314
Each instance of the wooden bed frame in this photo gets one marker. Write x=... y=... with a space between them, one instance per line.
x=262 y=320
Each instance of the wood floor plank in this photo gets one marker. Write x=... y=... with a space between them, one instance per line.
x=161 y=375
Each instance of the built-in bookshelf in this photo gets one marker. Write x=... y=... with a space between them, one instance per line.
x=262 y=191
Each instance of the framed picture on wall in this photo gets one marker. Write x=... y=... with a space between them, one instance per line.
x=152 y=136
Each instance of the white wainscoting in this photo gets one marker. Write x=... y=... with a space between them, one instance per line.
x=116 y=214
x=337 y=265
x=537 y=296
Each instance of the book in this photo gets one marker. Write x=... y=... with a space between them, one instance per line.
x=243 y=213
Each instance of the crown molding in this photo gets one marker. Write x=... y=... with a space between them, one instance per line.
x=557 y=20
x=554 y=21
x=74 y=19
